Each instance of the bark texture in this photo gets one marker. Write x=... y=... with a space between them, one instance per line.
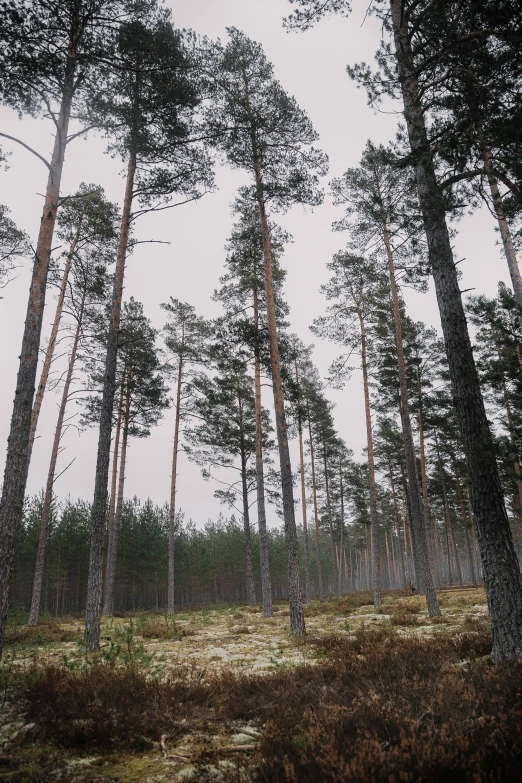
x=499 y=560
x=99 y=505
x=171 y=602
x=341 y=540
x=376 y=552
x=250 y=583
x=297 y=623
x=422 y=561
x=15 y=472
x=114 y=479
x=308 y=587
x=114 y=529
x=266 y=584
x=316 y=512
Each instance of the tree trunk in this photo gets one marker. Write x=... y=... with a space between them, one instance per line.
x=397 y=528
x=424 y=481
x=266 y=584
x=115 y=457
x=297 y=623
x=173 y=482
x=465 y=526
x=99 y=505
x=376 y=552
x=447 y=523
x=48 y=498
x=422 y=564
x=505 y=233
x=499 y=560
x=15 y=472
x=308 y=588
x=114 y=530
x=341 y=542
x=329 y=512
x=44 y=376
x=251 y=585
x=316 y=513
x=516 y=462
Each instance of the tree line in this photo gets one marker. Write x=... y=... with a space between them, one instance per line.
x=437 y=498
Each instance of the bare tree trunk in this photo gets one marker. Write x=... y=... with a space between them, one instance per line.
x=297 y=623
x=316 y=513
x=499 y=560
x=99 y=506
x=251 y=588
x=424 y=481
x=341 y=542
x=308 y=588
x=44 y=376
x=422 y=564
x=173 y=483
x=115 y=457
x=466 y=531
x=250 y=583
x=114 y=531
x=266 y=584
x=447 y=523
x=397 y=528
x=505 y=233
x=48 y=498
x=516 y=462
x=376 y=552
x=15 y=472
x=329 y=512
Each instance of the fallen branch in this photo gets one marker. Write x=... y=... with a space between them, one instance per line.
x=167 y=755
x=250 y=733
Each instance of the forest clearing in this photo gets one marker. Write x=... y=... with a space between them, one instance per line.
x=261 y=391
x=220 y=694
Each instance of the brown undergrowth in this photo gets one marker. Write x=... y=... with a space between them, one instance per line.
x=48 y=631
x=377 y=706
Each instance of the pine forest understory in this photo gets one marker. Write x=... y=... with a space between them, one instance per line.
x=348 y=604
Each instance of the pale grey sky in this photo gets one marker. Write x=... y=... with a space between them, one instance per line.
x=311 y=66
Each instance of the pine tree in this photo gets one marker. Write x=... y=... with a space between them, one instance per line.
x=14 y=245
x=242 y=293
x=85 y=219
x=184 y=334
x=144 y=398
x=86 y=293
x=262 y=130
x=410 y=73
x=381 y=213
x=53 y=57
x=148 y=114
x=352 y=291
x=225 y=435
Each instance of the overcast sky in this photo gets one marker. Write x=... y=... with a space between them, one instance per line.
x=311 y=66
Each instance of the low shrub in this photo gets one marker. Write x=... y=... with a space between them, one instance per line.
x=376 y=706
x=47 y=632
x=160 y=627
x=404 y=620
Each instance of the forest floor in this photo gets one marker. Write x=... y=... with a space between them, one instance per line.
x=224 y=694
